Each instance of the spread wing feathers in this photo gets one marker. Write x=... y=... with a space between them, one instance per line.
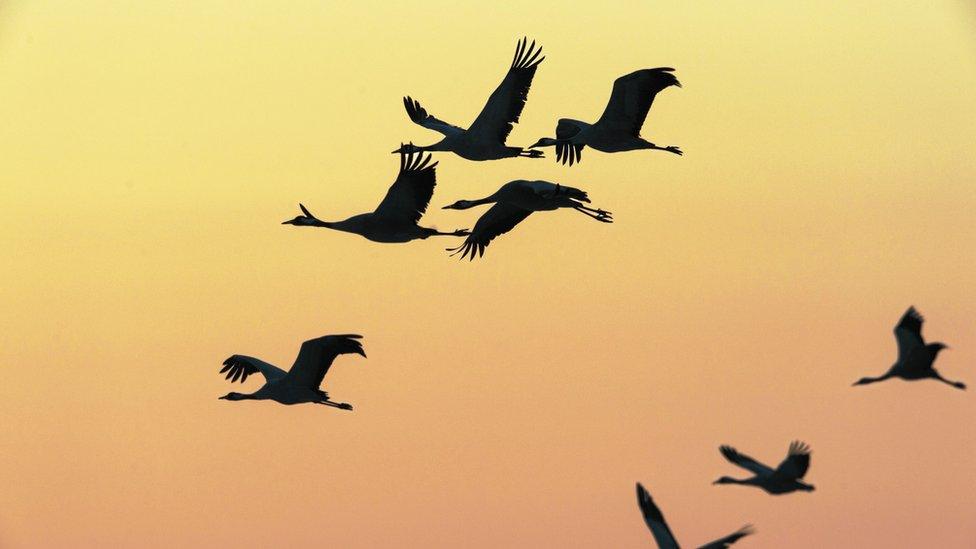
x=655 y=520
x=796 y=463
x=745 y=461
x=728 y=540
x=631 y=98
x=908 y=333
x=498 y=220
x=505 y=105
x=409 y=195
x=316 y=356
x=241 y=366
x=420 y=117
x=569 y=153
x=565 y=151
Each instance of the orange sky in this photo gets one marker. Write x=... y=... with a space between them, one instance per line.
x=151 y=150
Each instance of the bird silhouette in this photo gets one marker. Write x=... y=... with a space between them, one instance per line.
x=782 y=480
x=301 y=383
x=662 y=533
x=395 y=219
x=485 y=138
x=515 y=201
x=915 y=357
x=618 y=129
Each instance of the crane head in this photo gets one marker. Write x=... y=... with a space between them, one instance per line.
x=544 y=142
x=460 y=205
x=306 y=220
x=232 y=396
x=408 y=148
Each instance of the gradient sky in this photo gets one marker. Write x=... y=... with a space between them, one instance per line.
x=151 y=149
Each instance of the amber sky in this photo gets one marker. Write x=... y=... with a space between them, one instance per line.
x=149 y=151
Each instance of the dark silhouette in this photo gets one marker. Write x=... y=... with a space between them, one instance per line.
x=915 y=357
x=301 y=383
x=514 y=201
x=619 y=128
x=395 y=219
x=485 y=138
x=662 y=533
x=783 y=480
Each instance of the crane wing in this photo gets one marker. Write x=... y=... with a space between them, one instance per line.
x=566 y=129
x=316 y=356
x=745 y=461
x=655 y=520
x=410 y=194
x=420 y=117
x=631 y=98
x=498 y=220
x=547 y=190
x=505 y=105
x=241 y=366
x=908 y=333
x=796 y=463
x=728 y=540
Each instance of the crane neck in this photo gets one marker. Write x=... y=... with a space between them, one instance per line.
x=486 y=200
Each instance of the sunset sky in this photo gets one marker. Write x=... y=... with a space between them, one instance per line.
x=150 y=150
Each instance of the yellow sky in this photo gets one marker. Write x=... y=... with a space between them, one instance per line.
x=150 y=151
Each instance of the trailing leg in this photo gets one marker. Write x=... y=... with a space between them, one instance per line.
x=599 y=215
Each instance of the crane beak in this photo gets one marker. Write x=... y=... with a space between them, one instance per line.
x=222 y=398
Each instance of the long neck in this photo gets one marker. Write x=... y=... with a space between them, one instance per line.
x=441 y=145
x=866 y=380
x=486 y=200
x=352 y=225
x=730 y=480
x=251 y=396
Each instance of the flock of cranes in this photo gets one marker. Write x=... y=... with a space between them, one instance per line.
x=397 y=218
x=617 y=130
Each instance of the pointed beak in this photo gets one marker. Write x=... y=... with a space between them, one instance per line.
x=289 y=222
x=394 y=152
x=222 y=398
x=448 y=207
